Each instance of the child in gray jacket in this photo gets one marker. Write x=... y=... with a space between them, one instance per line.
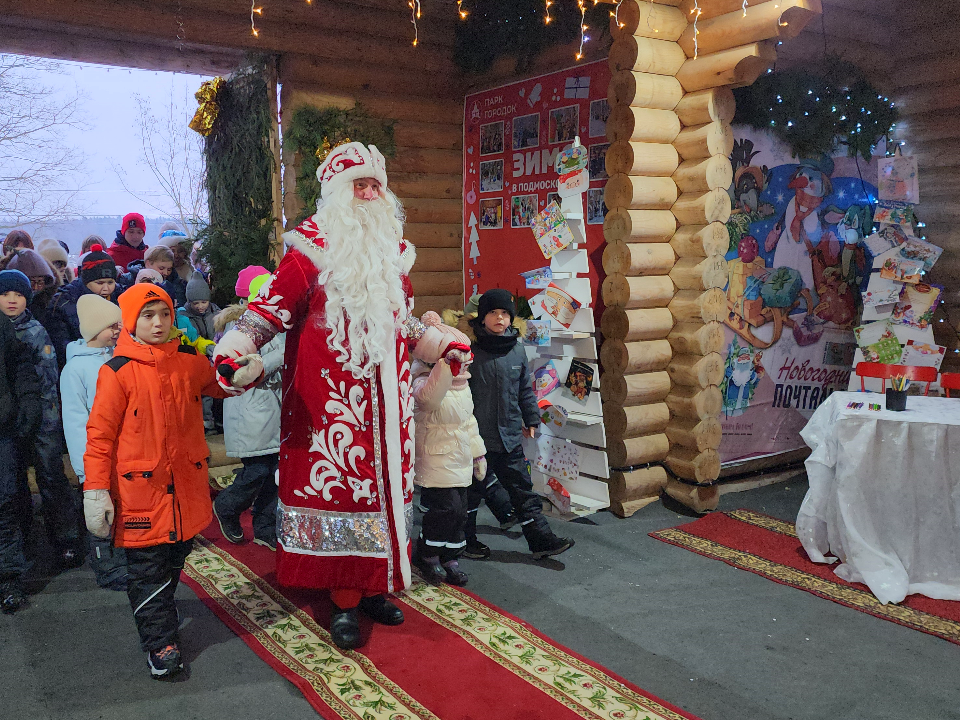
x=506 y=410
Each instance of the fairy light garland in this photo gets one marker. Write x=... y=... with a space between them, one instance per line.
x=460 y=11
x=547 y=18
x=616 y=15
x=744 y=8
x=696 y=12
x=414 y=16
x=583 y=28
x=254 y=11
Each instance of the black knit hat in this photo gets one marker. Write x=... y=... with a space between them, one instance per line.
x=97 y=265
x=497 y=299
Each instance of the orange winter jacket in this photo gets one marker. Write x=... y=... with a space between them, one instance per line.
x=145 y=441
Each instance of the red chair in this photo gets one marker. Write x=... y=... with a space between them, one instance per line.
x=886 y=372
x=950 y=381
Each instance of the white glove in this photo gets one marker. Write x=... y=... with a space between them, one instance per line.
x=251 y=368
x=234 y=344
x=480 y=467
x=98 y=512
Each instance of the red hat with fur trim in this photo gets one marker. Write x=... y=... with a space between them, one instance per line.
x=349 y=162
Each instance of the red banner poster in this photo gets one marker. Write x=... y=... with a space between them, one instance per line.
x=512 y=135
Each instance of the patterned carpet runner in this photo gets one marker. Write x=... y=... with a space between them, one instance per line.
x=454 y=658
x=769 y=547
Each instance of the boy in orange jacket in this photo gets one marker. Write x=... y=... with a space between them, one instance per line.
x=145 y=462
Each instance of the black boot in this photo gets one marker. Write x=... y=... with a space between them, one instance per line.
x=476 y=550
x=345 y=628
x=433 y=574
x=381 y=610
x=546 y=544
x=455 y=576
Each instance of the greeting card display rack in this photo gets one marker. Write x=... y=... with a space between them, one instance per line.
x=584 y=426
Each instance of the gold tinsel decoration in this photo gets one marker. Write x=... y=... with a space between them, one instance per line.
x=326 y=147
x=209 y=109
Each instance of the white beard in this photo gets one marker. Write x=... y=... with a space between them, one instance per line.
x=362 y=278
x=741 y=375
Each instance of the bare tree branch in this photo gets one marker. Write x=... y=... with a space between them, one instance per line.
x=174 y=154
x=36 y=169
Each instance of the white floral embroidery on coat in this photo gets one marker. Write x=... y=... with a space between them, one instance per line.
x=271 y=303
x=340 y=397
x=340 y=456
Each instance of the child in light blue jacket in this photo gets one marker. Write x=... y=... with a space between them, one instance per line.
x=100 y=328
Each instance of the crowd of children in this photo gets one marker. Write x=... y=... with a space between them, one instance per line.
x=111 y=362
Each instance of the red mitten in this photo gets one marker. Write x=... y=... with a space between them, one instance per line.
x=456 y=354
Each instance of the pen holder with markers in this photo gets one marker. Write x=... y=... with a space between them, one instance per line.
x=897 y=395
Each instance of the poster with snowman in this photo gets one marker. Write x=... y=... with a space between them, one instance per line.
x=512 y=138
x=797 y=265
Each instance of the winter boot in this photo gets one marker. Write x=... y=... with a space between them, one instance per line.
x=381 y=610
x=345 y=628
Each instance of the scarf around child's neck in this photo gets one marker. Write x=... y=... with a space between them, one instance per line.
x=498 y=345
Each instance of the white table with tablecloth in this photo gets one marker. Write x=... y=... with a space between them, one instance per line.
x=884 y=495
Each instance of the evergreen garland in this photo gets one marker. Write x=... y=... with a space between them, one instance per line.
x=310 y=127
x=239 y=181
x=813 y=113
x=517 y=27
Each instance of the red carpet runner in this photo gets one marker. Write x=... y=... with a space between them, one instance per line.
x=454 y=658
x=769 y=547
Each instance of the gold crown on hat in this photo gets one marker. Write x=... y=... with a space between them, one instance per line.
x=326 y=147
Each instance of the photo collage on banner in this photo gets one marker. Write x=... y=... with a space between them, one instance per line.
x=512 y=136
x=796 y=267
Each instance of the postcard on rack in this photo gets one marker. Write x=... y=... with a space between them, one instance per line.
x=922 y=354
x=881 y=291
x=872 y=313
x=558 y=458
x=538 y=332
x=898 y=179
x=560 y=305
x=579 y=382
x=916 y=250
x=902 y=270
x=551 y=231
x=553 y=416
x=895 y=213
x=878 y=343
x=546 y=379
x=916 y=307
x=558 y=495
x=538 y=278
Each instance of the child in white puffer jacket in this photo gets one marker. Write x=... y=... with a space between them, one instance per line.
x=449 y=453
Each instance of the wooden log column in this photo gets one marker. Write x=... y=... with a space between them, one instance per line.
x=666 y=237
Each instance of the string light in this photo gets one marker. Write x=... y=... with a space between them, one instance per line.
x=696 y=12
x=414 y=16
x=744 y=8
x=463 y=13
x=616 y=15
x=254 y=11
x=583 y=28
x=547 y=18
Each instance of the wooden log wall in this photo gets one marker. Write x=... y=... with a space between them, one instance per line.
x=669 y=167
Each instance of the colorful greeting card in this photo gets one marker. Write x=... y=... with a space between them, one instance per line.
x=878 y=342
x=895 y=213
x=545 y=380
x=558 y=458
x=552 y=415
x=538 y=332
x=551 y=231
x=560 y=305
x=575 y=184
x=922 y=354
x=881 y=291
x=898 y=179
x=902 y=270
x=538 y=278
x=579 y=380
x=572 y=160
x=917 y=305
x=558 y=496
x=916 y=250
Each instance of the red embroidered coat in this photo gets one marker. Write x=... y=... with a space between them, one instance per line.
x=344 y=516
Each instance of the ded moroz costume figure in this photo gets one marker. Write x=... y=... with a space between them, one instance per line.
x=343 y=296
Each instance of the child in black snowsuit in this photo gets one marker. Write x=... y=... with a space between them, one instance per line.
x=20 y=414
x=506 y=410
